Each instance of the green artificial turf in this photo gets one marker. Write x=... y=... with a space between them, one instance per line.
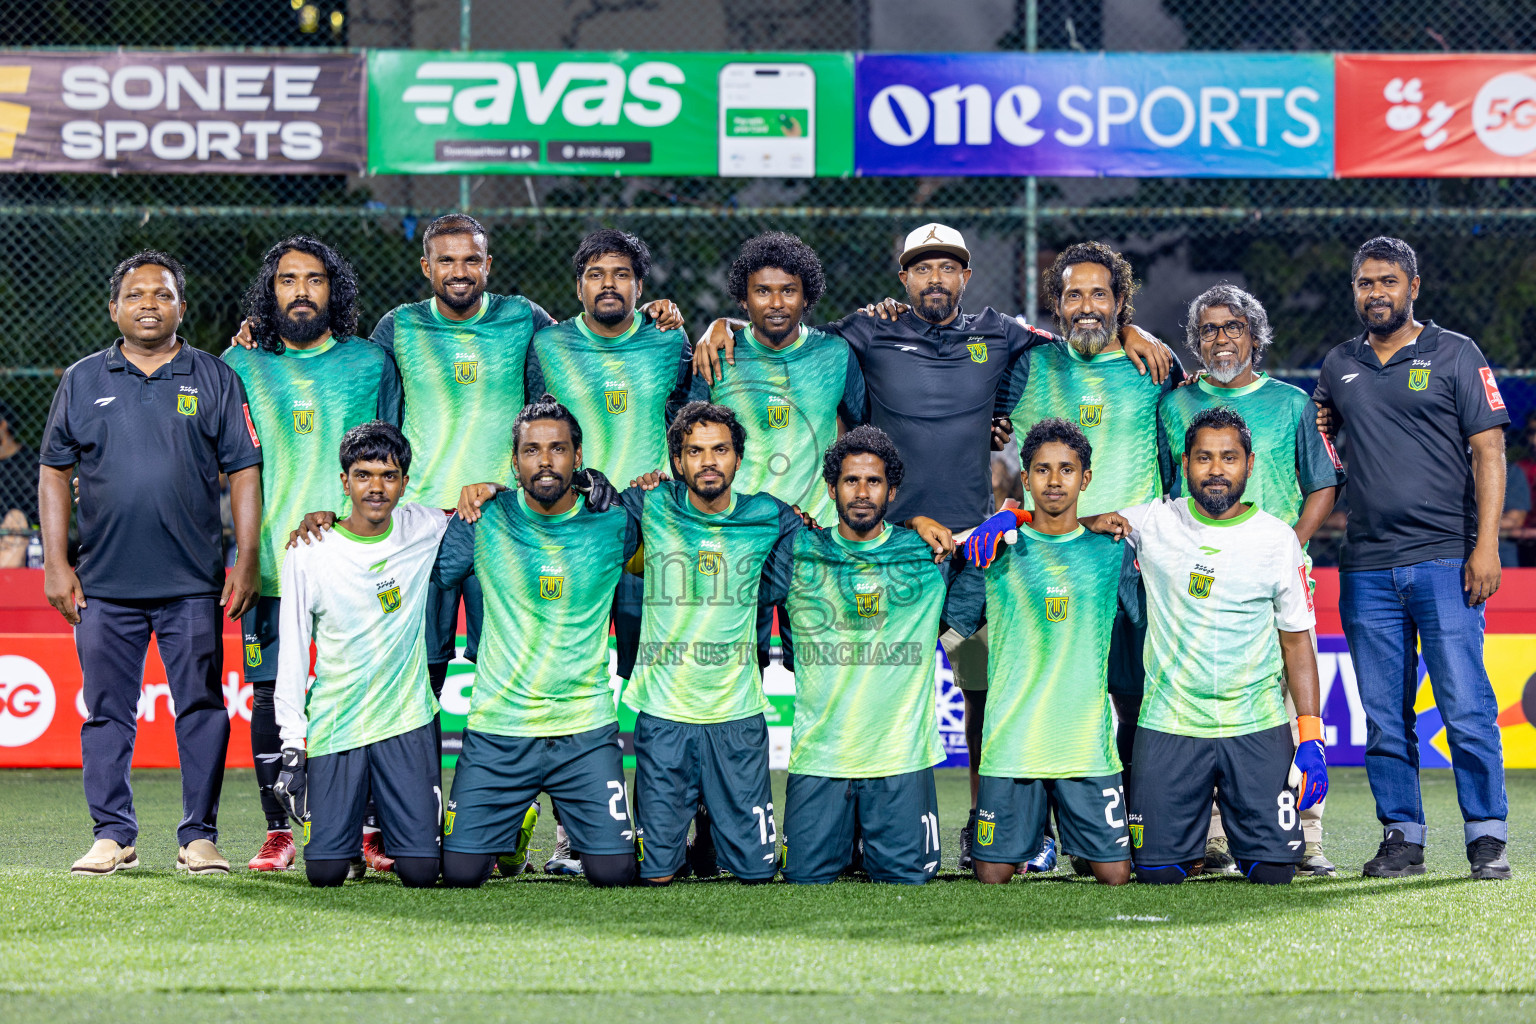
x=142 y=944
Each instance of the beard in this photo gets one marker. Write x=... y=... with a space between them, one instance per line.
x=1394 y=320
x=709 y=492
x=611 y=317
x=459 y=305
x=775 y=337
x=305 y=329
x=862 y=519
x=1228 y=374
x=548 y=488
x=935 y=305
x=1216 y=501
x=1088 y=337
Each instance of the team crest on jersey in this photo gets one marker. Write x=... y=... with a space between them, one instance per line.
x=778 y=416
x=1200 y=585
x=1418 y=379
x=448 y=823
x=303 y=421
x=1056 y=609
x=1136 y=835
x=618 y=401
x=389 y=600
x=466 y=372
x=867 y=605
x=711 y=562
x=985 y=831
x=551 y=588
x=1090 y=415
x=978 y=351
x=252 y=655
x=305 y=841
x=186 y=405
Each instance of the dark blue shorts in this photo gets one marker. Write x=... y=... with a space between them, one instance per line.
x=406 y=782
x=498 y=776
x=897 y=816
x=1011 y=814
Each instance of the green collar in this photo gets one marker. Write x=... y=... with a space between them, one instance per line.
x=688 y=501
x=1102 y=357
x=1201 y=517
x=769 y=350
x=540 y=517
x=1221 y=392
x=862 y=545
x=437 y=314
x=1054 y=538
x=591 y=335
x=310 y=353
x=367 y=540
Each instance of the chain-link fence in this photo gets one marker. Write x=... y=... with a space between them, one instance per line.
x=1289 y=241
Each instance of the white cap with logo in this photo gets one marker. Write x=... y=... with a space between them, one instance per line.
x=934 y=238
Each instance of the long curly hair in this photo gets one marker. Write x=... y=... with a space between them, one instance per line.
x=261 y=298
x=780 y=251
x=1122 y=283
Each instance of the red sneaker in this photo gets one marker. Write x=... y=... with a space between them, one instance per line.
x=276 y=854
x=373 y=852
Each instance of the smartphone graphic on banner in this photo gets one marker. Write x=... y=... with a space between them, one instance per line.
x=767 y=121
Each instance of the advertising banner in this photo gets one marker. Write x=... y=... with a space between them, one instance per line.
x=1121 y=115
x=151 y=112
x=1439 y=115
x=732 y=115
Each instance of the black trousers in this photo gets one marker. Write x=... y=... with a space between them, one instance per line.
x=112 y=640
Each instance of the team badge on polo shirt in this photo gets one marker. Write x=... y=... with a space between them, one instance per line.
x=1418 y=379
x=186 y=405
x=978 y=351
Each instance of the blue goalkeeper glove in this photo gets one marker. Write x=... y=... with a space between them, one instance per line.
x=981 y=545
x=1309 y=769
x=292 y=785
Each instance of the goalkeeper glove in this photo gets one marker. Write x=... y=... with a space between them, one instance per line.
x=1309 y=769
x=292 y=785
x=595 y=488
x=981 y=545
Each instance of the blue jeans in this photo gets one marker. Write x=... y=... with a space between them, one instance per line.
x=1384 y=611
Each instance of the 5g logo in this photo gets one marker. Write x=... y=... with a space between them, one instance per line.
x=26 y=700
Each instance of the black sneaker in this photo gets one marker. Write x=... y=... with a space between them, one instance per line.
x=964 y=863
x=701 y=857
x=1080 y=866
x=1395 y=858
x=1487 y=857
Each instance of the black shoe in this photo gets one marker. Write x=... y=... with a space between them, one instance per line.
x=965 y=863
x=1395 y=858
x=1487 y=857
x=701 y=857
x=1080 y=866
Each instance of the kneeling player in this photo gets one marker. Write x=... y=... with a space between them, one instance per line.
x=865 y=602
x=1228 y=611
x=542 y=716
x=1048 y=739
x=361 y=593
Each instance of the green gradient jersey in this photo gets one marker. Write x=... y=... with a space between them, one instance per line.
x=464 y=384
x=302 y=401
x=1217 y=592
x=864 y=615
x=790 y=400
x=363 y=601
x=1115 y=406
x=548 y=584
x=698 y=630
x=1291 y=457
x=1051 y=602
x=623 y=391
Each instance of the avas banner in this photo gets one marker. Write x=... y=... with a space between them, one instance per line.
x=165 y=112
x=1134 y=115
x=732 y=115
x=1440 y=115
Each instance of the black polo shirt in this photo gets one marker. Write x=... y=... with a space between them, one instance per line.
x=1410 y=489
x=150 y=450
x=934 y=390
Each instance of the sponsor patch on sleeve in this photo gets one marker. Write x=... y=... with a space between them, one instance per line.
x=1301 y=570
x=249 y=426
x=1491 y=389
x=1332 y=452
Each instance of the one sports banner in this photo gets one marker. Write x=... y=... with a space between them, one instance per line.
x=733 y=115
x=1065 y=114
x=1436 y=115
x=164 y=112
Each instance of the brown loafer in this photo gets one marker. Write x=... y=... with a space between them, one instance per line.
x=105 y=857
x=201 y=857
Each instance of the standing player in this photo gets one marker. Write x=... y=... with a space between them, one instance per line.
x=360 y=593
x=541 y=723
x=701 y=735
x=865 y=600
x=1296 y=473
x=625 y=377
x=309 y=381
x=1229 y=615
x=1052 y=599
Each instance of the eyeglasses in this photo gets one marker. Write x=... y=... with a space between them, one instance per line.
x=1232 y=329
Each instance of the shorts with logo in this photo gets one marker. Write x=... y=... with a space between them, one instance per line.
x=1090 y=816
x=498 y=776
x=443 y=621
x=722 y=764
x=404 y=777
x=260 y=628
x=1172 y=778
x=897 y=817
